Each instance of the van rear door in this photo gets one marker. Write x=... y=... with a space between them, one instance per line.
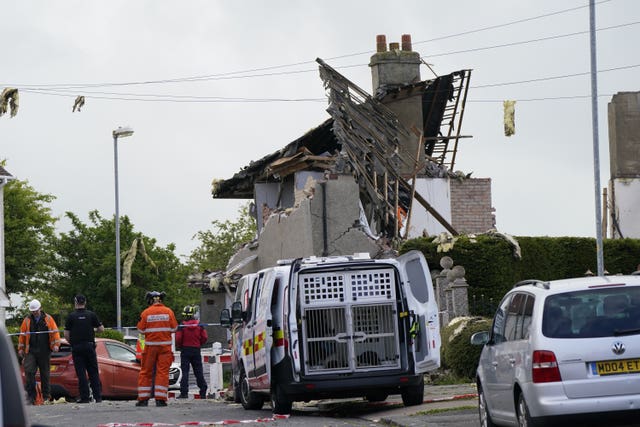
x=425 y=324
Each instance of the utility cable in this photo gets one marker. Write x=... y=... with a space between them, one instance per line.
x=234 y=74
x=216 y=99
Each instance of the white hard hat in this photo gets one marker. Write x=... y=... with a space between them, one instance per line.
x=34 y=305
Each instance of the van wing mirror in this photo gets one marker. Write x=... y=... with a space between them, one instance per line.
x=236 y=312
x=225 y=318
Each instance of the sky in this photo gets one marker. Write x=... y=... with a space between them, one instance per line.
x=209 y=86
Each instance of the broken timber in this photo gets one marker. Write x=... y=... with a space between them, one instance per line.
x=370 y=134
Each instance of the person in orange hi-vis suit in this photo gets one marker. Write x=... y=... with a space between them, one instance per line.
x=157 y=323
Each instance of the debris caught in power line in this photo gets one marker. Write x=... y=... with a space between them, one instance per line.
x=9 y=99
x=78 y=104
x=509 y=118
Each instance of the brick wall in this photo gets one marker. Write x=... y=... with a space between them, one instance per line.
x=471 y=210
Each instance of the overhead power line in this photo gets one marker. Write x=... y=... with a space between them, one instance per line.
x=244 y=73
x=168 y=98
x=542 y=39
x=217 y=99
x=565 y=76
x=506 y=24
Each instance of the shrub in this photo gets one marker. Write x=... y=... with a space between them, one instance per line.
x=492 y=268
x=111 y=333
x=14 y=338
x=458 y=355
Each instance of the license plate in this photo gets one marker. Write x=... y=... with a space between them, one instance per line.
x=612 y=367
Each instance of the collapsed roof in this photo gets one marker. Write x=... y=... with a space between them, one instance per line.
x=368 y=136
x=310 y=150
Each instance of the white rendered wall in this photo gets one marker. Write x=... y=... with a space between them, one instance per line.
x=436 y=191
x=626 y=193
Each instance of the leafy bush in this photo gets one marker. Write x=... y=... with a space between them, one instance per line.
x=492 y=267
x=14 y=338
x=111 y=333
x=458 y=355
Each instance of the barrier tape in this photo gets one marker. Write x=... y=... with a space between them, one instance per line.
x=35 y=333
x=62 y=330
x=275 y=417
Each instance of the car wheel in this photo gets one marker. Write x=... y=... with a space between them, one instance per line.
x=483 y=411
x=524 y=418
x=280 y=402
x=249 y=399
x=413 y=395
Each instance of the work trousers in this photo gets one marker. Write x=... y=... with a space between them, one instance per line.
x=86 y=362
x=160 y=357
x=32 y=363
x=190 y=356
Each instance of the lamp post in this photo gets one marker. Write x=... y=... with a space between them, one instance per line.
x=121 y=132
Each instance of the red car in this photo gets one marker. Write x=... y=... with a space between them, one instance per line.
x=116 y=363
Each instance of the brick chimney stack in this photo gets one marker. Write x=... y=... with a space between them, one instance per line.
x=399 y=66
x=396 y=66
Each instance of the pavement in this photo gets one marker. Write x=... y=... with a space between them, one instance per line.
x=438 y=400
x=443 y=406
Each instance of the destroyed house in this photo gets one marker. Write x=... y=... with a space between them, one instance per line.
x=380 y=168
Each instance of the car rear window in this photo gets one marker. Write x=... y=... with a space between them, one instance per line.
x=596 y=312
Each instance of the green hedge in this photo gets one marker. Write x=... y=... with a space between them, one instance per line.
x=457 y=354
x=114 y=334
x=492 y=269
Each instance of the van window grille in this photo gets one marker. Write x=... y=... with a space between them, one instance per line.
x=375 y=343
x=323 y=287
x=372 y=285
x=349 y=321
x=323 y=327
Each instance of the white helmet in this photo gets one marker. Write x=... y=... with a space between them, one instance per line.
x=34 y=305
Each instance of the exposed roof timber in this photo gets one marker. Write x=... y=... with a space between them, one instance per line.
x=368 y=131
x=316 y=141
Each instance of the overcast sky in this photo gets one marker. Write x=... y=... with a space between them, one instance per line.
x=209 y=86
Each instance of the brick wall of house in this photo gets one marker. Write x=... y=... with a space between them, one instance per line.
x=471 y=210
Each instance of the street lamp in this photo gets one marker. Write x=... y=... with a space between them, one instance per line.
x=121 y=132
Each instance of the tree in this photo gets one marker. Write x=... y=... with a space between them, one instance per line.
x=218 y=245
x=29 y=231
x=85 y=264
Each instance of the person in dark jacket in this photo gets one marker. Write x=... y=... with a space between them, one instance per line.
x=189 y=338
x=39 y=336
x=80 y=330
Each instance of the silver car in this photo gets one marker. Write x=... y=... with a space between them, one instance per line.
x=562 y=349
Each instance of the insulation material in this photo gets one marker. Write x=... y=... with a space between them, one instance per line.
x=137 y=247
x=9 y=99
x=509 y=117
x=78 y=104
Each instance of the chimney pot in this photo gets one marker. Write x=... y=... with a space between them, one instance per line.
x=394 y=46
x=406 y=42
x=381 y=43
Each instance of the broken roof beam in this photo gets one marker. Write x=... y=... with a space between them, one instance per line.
x=369 y=128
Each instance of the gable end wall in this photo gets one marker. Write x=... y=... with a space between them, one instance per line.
x=471 y=210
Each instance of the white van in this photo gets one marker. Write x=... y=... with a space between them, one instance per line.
x=333 y=327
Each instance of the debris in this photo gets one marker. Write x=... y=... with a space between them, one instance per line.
x=509 y=117
x=78 y=104
x=130 y=256
x=445 y=242
x=9 y=100
x=515 y=246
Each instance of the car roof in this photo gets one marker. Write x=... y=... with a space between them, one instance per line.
x=576 y=283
